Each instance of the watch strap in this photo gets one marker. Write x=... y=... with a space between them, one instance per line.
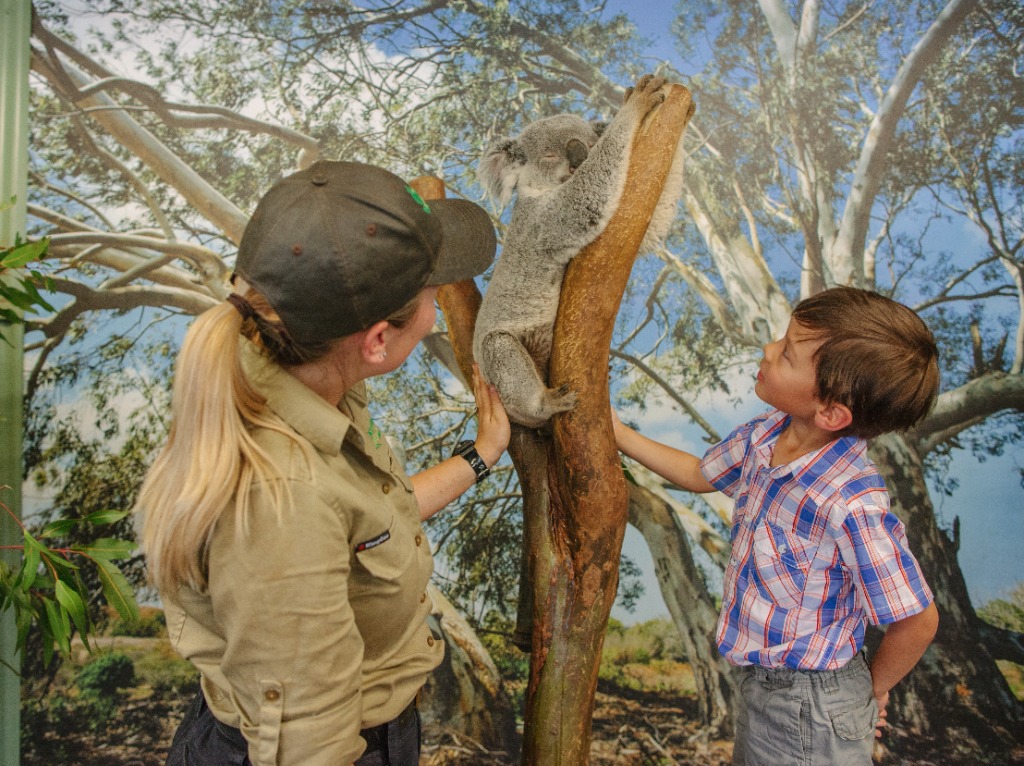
x=467 y=450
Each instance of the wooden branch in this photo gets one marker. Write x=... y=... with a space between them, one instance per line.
x=966 y=405
x=576 y=572
x=67 y=80
x=848 y=252
x=460 y=301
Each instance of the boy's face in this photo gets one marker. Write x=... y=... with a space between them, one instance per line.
x=787 y=376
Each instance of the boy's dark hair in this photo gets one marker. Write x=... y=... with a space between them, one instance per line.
x=878 y=358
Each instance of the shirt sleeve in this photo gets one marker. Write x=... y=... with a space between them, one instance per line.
x=873 y=545
x=293 y=653
x=722 y=464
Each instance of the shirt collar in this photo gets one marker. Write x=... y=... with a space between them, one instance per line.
x=806 y=468
x=308 y=414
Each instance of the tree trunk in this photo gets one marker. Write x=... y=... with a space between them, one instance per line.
x=576 y=558
x=690 y=604
x=465 y=694
x=956 y=692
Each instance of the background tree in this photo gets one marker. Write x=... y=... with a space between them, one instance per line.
x=828 y=142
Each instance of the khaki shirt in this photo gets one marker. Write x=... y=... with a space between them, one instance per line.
x=315 y=627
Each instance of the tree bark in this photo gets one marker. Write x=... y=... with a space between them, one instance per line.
x=576 y=558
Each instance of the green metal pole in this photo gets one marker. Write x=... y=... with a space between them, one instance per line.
x=15 y=27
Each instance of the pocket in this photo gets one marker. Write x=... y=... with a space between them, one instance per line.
x=782 y=560
x=386 y=555
x=855 y=722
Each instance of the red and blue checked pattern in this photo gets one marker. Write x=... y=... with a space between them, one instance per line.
x=815 y=551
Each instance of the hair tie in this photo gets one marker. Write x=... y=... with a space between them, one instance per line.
x=244 y=307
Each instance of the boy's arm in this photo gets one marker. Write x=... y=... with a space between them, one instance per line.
x=902 y=646
x=680 y=468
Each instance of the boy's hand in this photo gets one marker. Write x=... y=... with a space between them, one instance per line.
x=881 y=723
x=617 y=427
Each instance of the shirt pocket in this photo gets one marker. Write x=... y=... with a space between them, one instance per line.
x=782 y=560
x=384 y=557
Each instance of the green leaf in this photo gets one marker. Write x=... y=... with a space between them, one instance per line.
x=56 y=621
x=59 y=527
x=105 y=517
x=38 y=301
x=107 y=548
x=17 y=297
x=22 y=254
x=117 y=591
x=59 y=562
x=73 y=602
x=629 y=476
x=30 y=568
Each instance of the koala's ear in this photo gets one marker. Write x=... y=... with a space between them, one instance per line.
x=599 y=127
x=500 y=168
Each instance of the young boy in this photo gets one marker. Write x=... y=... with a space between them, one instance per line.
x=816 y=553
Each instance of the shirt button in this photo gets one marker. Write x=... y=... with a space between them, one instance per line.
x=385 y=488
x=430 y=640
x=419 y=540
x=272 y=695
x=423 y=598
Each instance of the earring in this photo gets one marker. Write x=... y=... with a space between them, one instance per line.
x=383 y=356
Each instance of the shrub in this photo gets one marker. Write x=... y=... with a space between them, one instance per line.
x=106 y=675
x=149 y=625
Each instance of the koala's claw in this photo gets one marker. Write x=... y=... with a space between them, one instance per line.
x=560 y=399
x=648 y=86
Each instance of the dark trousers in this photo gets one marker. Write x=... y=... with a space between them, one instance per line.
x=202 y=740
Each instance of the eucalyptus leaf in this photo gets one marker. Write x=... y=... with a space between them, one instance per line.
x=107 y=548
x=117 y=591
x=105 y=517
x=73 y=602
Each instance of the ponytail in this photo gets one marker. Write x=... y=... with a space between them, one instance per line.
x=210 y=457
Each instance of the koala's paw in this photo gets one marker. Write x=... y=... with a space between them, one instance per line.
x=560 y=399
x=646 y=94
x=537 y=413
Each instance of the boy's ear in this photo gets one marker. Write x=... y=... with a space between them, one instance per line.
x=833 y=416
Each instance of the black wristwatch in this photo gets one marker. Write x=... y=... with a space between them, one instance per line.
x=467 y=450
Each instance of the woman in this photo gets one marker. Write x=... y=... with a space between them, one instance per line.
x=281 y=531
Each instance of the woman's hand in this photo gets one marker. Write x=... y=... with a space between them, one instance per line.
x=441 y=484
x=493 y=430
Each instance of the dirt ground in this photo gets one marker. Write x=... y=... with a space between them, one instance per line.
x=630 y=728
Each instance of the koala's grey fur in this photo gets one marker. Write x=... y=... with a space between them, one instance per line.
x=569 y=176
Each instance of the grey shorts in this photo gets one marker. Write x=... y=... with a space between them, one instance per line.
x=791 y=717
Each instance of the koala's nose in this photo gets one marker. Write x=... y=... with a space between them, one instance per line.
x=577 y=151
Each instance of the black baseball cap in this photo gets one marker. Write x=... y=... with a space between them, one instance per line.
x=341 y=245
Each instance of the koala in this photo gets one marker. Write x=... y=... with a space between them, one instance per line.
x=569 y=176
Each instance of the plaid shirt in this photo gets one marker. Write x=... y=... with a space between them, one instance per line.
x=815 y=551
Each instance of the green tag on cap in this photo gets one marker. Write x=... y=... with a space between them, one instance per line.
x=419 y=199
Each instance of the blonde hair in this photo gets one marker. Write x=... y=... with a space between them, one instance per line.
x=211 y=459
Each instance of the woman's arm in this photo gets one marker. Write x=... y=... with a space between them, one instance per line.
x=680 y=468
x=438 y=485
